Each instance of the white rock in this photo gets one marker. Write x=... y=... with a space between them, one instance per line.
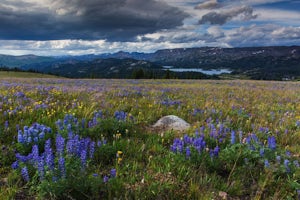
x=171 y=122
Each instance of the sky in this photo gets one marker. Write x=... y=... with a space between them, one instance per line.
x=76 y=27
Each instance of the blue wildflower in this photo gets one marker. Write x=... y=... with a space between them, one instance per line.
x=278 y=159
x=20 y=137
x=113 y=173
x=29 y=140
x=49 y=155
x=41 y=168
x=35 y=153
x=92 y=149
x=15 y=165
x=42 y=135
x=60 y=144
x=120 y=115
x=188 y=152
x=35 y=140
x=6 y=124
x=83 y=155
x=22 y=158
x=61 y=166
x=25 y=174
x=214 y=152
x=272 y=142
x=267 y=164
x=174 y=148
x=105 y=179
x=286 y=164
x=232 y=141
x=261 y=152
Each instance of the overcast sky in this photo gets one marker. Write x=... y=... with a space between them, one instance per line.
x=60 y=27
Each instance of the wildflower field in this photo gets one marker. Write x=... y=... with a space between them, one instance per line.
x=92 y=139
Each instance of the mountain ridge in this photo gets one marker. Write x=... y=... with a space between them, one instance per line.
x=273 y=62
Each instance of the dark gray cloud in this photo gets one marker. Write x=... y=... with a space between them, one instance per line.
x=220 y=18
x=114 y=20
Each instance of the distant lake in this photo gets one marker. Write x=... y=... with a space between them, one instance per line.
x=208 y=72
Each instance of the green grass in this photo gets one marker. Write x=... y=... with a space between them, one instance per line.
x=11 y=74
x=146 y=165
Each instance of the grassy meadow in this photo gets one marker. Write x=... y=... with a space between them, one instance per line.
x=92 y=139
x=13 y=74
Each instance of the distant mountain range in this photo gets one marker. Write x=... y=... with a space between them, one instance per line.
x=270 y=63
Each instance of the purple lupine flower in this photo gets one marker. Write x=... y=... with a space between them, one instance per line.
x=99 y=143
x=60 y=144
x=187 y=152
x=15 y=165
x=267 y=164
x=6 y=124
x=41 y=168
x=20 y=137
x=35 y=154
x=22 y=158
x=29 y=140
x=86 y=143
x=59 y=124
x=42 y=135
x=217 y=150
x=90 y=124
x=61 y=166
x=278 y=159
x=272 y=142
x=49 y=155
x=120 y=115
x=83 y=156
x=81 y=147
x=286 y=164
x=113 y=173
x=69 y=146
x=95 y=175
x=105 y=179
x=69 y=127
x=35 y=140
x=54 y=179
x=92 y=149
x=174 y=148
x=25 y=174
x=214 y=152
x=232 y=140
x=261 y=152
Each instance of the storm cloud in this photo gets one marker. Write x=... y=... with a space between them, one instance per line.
x=112 y=20
x=219 y=18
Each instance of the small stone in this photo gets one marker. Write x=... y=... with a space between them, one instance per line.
x=223 y=195
x=171 y=122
